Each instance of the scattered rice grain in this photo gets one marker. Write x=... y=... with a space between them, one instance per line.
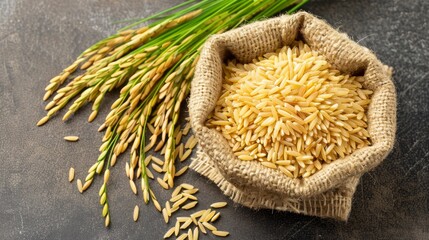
x=182 y=237
x=220 y=233
x=79 y=185
x=215 y=217
x=186 y=223
x=71 y=138
x=176 y=228
x=219 y=204
x=187 y=186
x=209 y=226
x=165 y=215
x=201 y=227
x=71 y=174
x=169 y=233
x=186 y=155
x=189 y=205
x=136 y=213
x=162 y=183
x=196 y=233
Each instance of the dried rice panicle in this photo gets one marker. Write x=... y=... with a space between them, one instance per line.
x=291 y=111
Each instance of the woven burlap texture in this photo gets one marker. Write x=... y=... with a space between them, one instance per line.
x=327 y=193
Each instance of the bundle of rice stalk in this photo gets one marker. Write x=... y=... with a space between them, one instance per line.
x=153 y=65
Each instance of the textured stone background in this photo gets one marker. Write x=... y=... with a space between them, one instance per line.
x=39 y=38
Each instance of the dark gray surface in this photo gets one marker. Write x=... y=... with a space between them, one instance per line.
x=39 y=38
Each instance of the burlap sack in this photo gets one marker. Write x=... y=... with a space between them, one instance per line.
x=329 y=192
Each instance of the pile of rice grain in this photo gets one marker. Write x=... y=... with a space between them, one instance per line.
x=291 y=111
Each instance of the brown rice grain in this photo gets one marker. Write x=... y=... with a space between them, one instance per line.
x=220 y=233
x=215 y=217
x=209 y=216
x=181 y=171
x=165 y=215
x=190 y=141
x=71 y=138
x=196 y=233
x=209 y=226
x=182 y=237
x=169 y=233
x=174 y=209
x=186 y=155
x=190 y=235
x=176 y=191
x=168 y=208
x=71 y=174
x=157 y=168
x=187 y=186
x=176 y=198
x=180 y=202
x=157 y=160
x=186 y=223
x=191 y=191
x=176 y=228
x=218 y=204
x=79 y=185
x=136 y=213
x=162 y=183
x=201 y=227
x=189 y=205
x=190 y=196
x=186 y=129
x=149 y=173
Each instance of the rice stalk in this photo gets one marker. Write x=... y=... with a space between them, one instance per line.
x=152 y=66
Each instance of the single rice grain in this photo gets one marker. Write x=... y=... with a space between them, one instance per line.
x=136 y=213
x=79 y=185
x=71 y=174
x=165 y=215
x=182 y=237
x=71 y=138
x=196 y=233
x=189 y=205
x=186 y=223
x=169 y=233
x=220 y=233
